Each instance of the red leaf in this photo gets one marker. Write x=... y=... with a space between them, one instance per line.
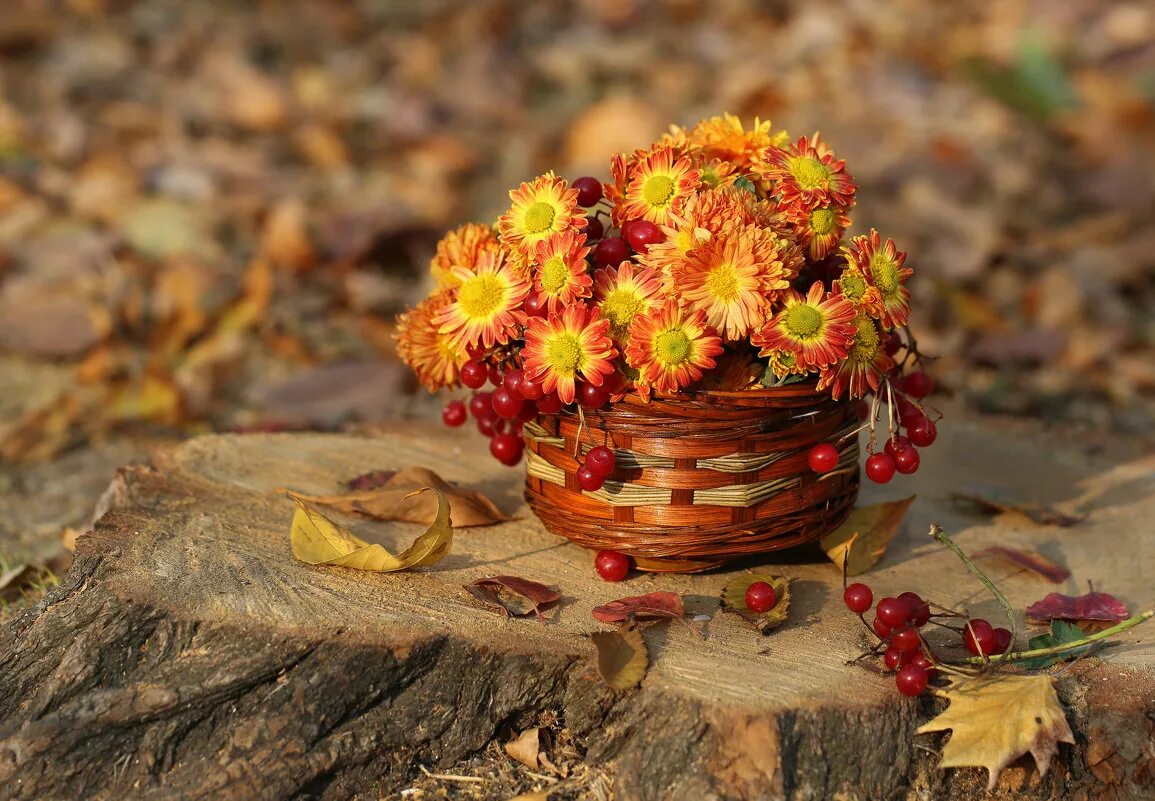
x=653 y=605
x=1092 y=606
x=511 y=595
x=1031 y=561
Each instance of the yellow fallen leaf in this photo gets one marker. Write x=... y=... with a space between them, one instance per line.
x=317 y=540
x=734 y=600
x=874 y=526
x=526 y=748
x=995 y=720
x=622 y=656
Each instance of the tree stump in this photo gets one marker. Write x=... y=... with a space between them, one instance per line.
x=188 y=655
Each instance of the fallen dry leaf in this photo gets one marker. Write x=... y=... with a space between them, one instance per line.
x=622 y=656
x=526 y=747
x=1036 y=513
x=652 y=605
x=1089 y=606
x=317 y=540
x=512 y=595
x=383 y=500
x=861 y=541
x=1036 y=563
x=995 y=720
x=14 y=576
x=734 y=600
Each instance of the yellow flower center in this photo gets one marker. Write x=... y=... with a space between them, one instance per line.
x=822 y=221
x=481 y=297
x=621 y=306
x=865 y=346
x=554 y=275
x=672 y=347
x=885 y=274
x=658 y=190
x=722 y=282
x=809 y=172
x=853 y=285
x=803 y=321
x=564 y=354
x=539 y=217
x=685 y=240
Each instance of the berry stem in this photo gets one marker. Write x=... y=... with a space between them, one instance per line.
x=942 y=537
x=1018 y=656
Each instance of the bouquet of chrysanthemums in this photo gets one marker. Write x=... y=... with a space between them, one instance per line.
x=713 y=260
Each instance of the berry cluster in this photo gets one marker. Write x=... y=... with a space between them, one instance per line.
x=898 y=623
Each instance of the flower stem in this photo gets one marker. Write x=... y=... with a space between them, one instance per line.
x=1129 y=623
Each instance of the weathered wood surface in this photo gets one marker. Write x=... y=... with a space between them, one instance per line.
x=188 y=655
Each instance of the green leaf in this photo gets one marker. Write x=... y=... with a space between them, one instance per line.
x=1061 y=633
x=745 y=183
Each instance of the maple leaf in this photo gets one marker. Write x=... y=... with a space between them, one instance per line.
x=862 y=539
x=995 y=720
x=1090 y=606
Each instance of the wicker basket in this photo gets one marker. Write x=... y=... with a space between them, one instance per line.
x=705 y=478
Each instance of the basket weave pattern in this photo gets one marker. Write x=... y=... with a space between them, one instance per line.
x=705 y=477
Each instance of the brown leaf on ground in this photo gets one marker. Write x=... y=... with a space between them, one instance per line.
x=526 y=747
x=381 y=499
x=667 y=605
x=1090 y=606
x=995 y=720
x=862 y=539
x=622 y=656
x=512 y=595
x=1036 y=563
x=734 y=600
x=1036 y=513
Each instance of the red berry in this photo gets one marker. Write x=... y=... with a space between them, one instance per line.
x=530 y=388
x=600 y=461
x=894 y=658
x=881 y=629
x=588 y=480
x=592 y=397
x=479 y=404
x=474 y=374
x=911 y=679
x=536 y=305
x=907 y=411
x=892 y=612
x=891 y=343
x=496 y=377
x=1002 y=640
x=918 y=610
x=858 y=598
x=880 y=468
x=760 y=597
x=906 y=640
x=616 y=383
x=513 y=379
x=611 y=252
x=896 y=443
x=589 y=190
x=490 y=424
x=822 y=458
x=611 y=565
x=642 y=234
x=549 y=404
x=906 y=461
x=506 y=448
x=506 y=403
x=979 y=635
x=594 y=229
x=528 y=412
x=918 y=384
x=454 y=414
x=923 y=433
x=924 y=662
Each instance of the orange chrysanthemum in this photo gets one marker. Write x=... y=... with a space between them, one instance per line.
x=725 y=138
x=855 y=287
x=559 y=348
x=670 y=347
x=541 y=208
x=819 y=229
x=622 y=295
x=784 y=363
x=884 y=267
x=735 y=370
x=485 y=308
x=429 y=353
x=660 y=183
x=461 y=247
x=864 y=366
x=808 y=175
x=817 y=328
x=560 y=271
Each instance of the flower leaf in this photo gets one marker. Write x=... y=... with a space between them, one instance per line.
x=1061 y=633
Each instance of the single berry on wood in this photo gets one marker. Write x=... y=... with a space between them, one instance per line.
x=881 y=629
x=592 y=397
x=760 y=597
x=601 y=461
x=896 y=443
x=506 y=448
x=549 y=404
x=822 y=458
x=918 y=610
x=454 y=414
x=474 y=374
x=480 y=404
x=918 y=384
x=612 y=565
x=906 y=639
x=858 y=598
x=536 y=306
x=892 y=612
x=595 y=230
x=978 y=636
x=880 y=467
x=906 y=461
x=923 y=433
x=611 y=252
x=588 y=481
x=911 y=679
x=642 y=234
x=589 y=190
x=1002 y=640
